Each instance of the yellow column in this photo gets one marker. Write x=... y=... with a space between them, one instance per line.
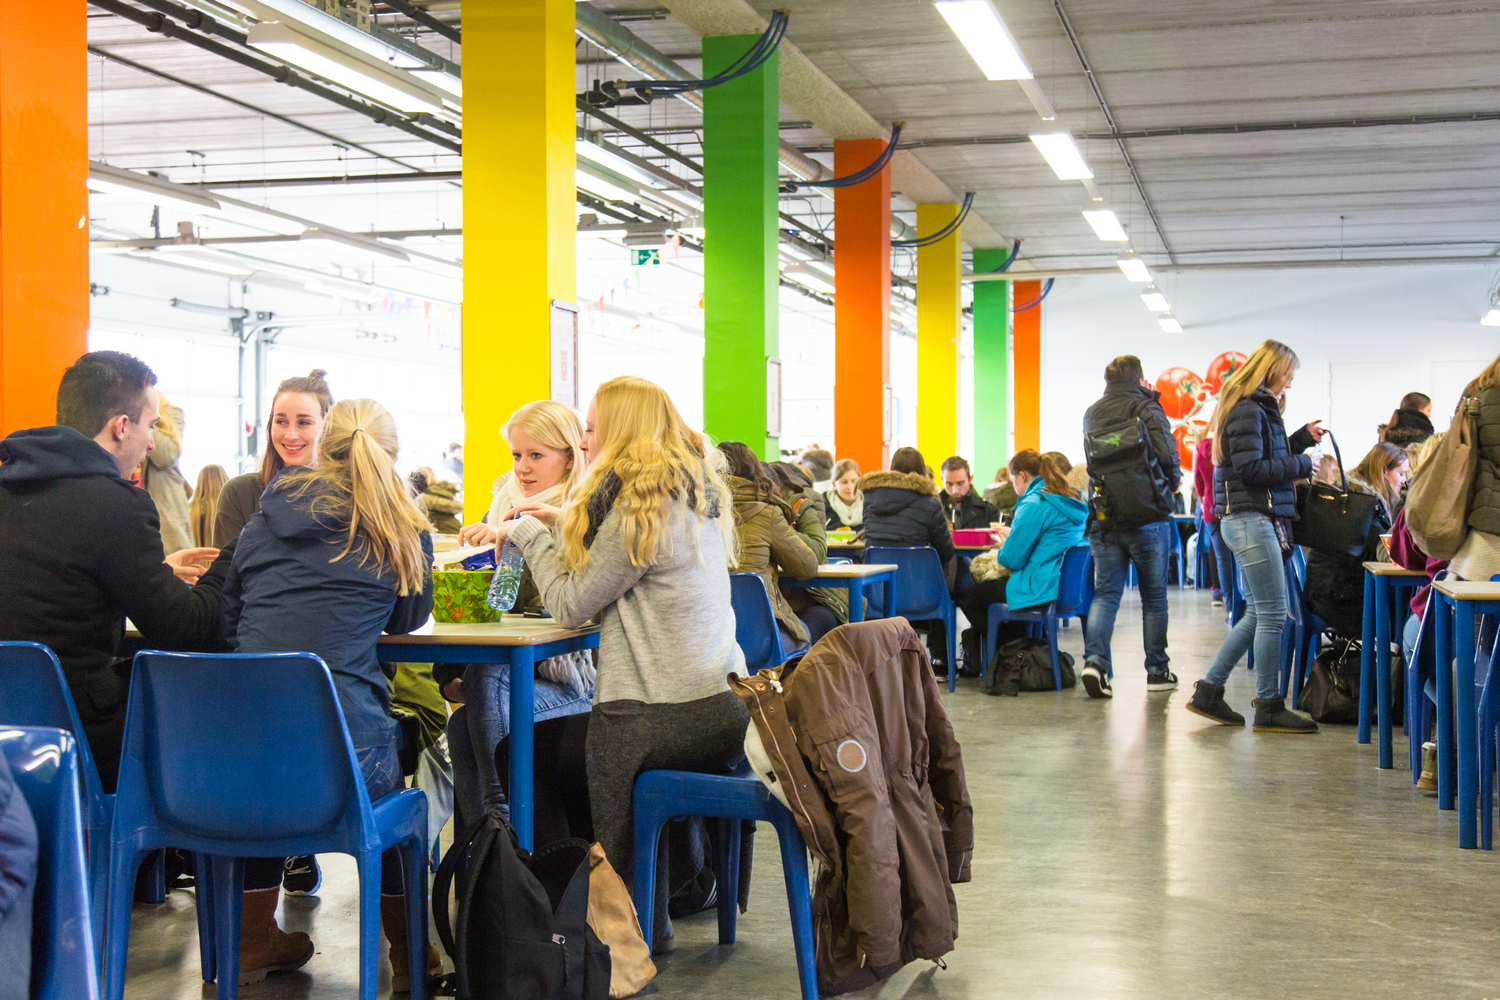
x=939 y=274
x=519 y=217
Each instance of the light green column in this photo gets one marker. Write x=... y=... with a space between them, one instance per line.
x=991 y=368
x=739 y=258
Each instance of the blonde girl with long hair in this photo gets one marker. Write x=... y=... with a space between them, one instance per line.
x=163 y=478
x=644 y=545
x=547 y=463
x=338 y=553
x=204 y=508
x=1255 y=467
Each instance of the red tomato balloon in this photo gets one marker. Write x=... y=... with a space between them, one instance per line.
x=1221 y=368
x=1180 y=391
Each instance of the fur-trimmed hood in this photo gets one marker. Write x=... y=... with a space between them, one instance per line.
x=898 y=480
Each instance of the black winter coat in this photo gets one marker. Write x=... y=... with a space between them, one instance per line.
x=902 y=510
x=1260 y=464
x=1122 y=402
x=973 y=510
x=80 y=549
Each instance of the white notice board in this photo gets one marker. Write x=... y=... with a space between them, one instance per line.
x=773 y=397
x=563 y=317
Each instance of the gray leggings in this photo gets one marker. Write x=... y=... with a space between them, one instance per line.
x=627 y=738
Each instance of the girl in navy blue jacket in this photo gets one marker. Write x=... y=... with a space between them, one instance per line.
x=338 y=553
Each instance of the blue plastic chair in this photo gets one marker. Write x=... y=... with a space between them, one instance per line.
x=243 y=755
x=1421 y=694
x=755 y=623
x=663 y=795
x=34 y=692
x=920 y=592
x=1178 y=553
x=1074 y=594
x=1306 y=633
x=45 y=764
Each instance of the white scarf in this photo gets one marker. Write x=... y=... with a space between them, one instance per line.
x=508 y=496
x=851 y=514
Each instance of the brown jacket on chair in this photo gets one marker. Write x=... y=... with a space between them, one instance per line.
x=865 y=755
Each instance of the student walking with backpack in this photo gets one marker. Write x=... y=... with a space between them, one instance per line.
x=1255 y=465
x=1133 y=472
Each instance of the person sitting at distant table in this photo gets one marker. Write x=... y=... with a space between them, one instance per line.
x=1002 y=494
x=961 y=505
x=846 y=502
x=821 y=609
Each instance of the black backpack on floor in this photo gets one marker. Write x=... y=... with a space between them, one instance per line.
x=522 y=924
x=1027 y=663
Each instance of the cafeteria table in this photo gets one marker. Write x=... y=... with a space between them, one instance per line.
x=1456 y=602
x=852 y=577
x=514 y=641
x=1385 y=583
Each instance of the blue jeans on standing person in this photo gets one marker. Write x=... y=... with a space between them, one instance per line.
x=1223 y=558
x=1147 y=546
x=1252 y=537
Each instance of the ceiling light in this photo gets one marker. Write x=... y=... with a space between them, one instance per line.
x=1491 y=318
x=1062 y=155
x=809 y=278
x=357 y=246
x=191 y=255
x=446 y=82
x=1154 y=299
x=601 y=232
x=341 y=287
x=1106 y=224
x=1133 y=267
x=331 y=25
x=347 y=69
x=604 y=183
x=151 y=190
x=1169 y=323
x=977 y=24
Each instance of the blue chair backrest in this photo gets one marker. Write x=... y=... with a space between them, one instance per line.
x=1073 y=590
x=238 y=747
x=44 y=763
x=920 y=588
x=34 y=692
x=755 y=622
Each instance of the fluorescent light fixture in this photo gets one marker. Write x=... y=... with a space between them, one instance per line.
x=347 y=69
x=978 y=25
x=604 y=183
x=151 y=190
x=356 y=246
x=446 y=82
x=1169 y=323
x=192 y=255
x=1133 y=267
x=319 y=22
x=1106 y=224
x=1038 y=100
x=1154 y=299
x=809 y=278
x=1491 y=318
x=1062 y=155
x=601 y=232
x=341 y=287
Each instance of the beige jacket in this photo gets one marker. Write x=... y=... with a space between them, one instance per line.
x=770 y=548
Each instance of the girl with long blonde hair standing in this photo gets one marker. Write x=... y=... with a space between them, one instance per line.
x=1255 y=466
x=204 y=509
x=644 y=545
x=338 y=553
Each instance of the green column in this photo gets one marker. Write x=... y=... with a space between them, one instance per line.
x=740 y=275
x=991 y=368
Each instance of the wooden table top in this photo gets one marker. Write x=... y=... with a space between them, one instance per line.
x=1391 y=569
x=512 y=630
x=847 y=571
x=1469 y=590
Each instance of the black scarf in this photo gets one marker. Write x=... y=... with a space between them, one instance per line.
x=602 y=501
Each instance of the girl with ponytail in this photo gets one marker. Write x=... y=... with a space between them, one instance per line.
x=338 y=553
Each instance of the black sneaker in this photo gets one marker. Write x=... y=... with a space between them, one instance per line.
x=1272 y=716
x=1096 y=680
x=1208 y=701
x=301 y=876
x=1164 y=681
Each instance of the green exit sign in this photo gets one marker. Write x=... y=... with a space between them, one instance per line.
x=651 y=255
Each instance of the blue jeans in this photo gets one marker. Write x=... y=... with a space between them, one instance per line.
x=1223 y=558
x=1252 y=537
x=1114 y=551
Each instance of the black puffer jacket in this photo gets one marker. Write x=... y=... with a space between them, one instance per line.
x=902 y=510
x=1484 y=515
x=1260 y=464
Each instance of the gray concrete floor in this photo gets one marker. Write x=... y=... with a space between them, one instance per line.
x=1123 y=849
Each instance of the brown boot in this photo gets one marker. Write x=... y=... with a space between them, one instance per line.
x=393 y=920
x=265 y=947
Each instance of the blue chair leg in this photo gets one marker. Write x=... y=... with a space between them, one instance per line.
x=951 y=620
x=152 y=880
x=1416 y=704
x=203 y=888
x=727 y=865
x=798 y=897
x=991 y=639
x=1050 y=627
x=414 y=876
x=124 y=863
x=228 y=877
x=648 y=826
x=369 y=925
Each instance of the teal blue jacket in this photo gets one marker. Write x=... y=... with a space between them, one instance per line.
x=1045 y=526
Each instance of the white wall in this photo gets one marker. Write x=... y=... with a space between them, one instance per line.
x=1365 y=336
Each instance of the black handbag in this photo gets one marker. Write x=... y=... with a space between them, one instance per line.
x=1331 y=518
x=1331 y=694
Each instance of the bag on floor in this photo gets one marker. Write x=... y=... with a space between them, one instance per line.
x=612 y=917
x=521 y=931
x=1437 y=502
x=1028 y=664
x=1331 y=694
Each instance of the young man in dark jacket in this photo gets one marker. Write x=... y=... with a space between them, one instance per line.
x=963 y=507
x=81 y=546
x=1133 y=472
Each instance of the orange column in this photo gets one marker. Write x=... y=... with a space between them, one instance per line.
x=861 y=305
x=44 y=253
x=1026 y=353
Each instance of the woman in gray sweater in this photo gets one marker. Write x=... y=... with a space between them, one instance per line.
x=644 y=545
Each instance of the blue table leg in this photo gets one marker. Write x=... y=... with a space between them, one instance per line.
x=522 y=710
x=1367 y=659
x=1467 y=725
x=1444 y=657
x=890 y=594
x=856 y=600
x=1382 y=666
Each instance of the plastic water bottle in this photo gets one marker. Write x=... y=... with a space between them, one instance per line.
x=507 y=581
